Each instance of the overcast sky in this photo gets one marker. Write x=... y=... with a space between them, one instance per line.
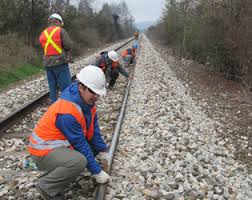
x=142 y=10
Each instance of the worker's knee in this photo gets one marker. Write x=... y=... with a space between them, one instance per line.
x=81 y=163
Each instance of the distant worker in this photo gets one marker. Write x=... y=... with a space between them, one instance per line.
x=67 y=137
x=135 y=44
x=109 y=63
x=56 y=44
x=129 y=55
x=136 y=34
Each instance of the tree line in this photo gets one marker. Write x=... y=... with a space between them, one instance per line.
x=22 y=21
x=215 y=32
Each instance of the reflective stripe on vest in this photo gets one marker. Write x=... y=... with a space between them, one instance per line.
x=37 y=143
x=47 y=136
x=50 y=41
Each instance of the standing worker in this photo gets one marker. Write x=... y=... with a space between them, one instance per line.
x=56 y=44
x=135 y=44
x=136 y=34
x=67 y=137
x=109 y=63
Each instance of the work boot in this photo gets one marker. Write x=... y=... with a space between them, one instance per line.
x=110 y=87
x=46 y=196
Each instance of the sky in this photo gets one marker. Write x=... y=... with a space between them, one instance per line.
x=142 y=10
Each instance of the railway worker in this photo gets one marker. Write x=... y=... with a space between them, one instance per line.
x=67 y=138
x=56 y=44
x=136 y=34
x=109 y=63
x=135 y=44
x=129 y=55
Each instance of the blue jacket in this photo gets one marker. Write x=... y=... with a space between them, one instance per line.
x=74 y=132
x=135 y=44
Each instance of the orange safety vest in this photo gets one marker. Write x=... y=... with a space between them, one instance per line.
x=125 y=53
x=47 y=136
x=50 y=41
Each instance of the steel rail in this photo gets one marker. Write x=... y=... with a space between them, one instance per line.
x=101 y=188
x=8 y=120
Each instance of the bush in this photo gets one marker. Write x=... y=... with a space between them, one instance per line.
x=14 y=51
x=85 y=39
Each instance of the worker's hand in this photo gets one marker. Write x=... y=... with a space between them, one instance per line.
x=103 y=159
x=70 y=59
x=102 y=177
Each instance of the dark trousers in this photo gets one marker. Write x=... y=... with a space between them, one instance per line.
x=113 y=75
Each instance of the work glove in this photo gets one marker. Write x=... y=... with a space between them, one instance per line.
x=103 y=159
x=70 y=59
x=102 y=177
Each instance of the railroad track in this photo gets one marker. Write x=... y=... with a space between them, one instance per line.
x=101 y=188
x=169 y=147
x=8 y=120
x=15 y=123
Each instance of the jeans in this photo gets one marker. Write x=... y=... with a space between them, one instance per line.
x=58 y=75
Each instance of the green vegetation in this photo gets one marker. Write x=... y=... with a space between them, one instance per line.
x=86 y=27
x=14 y=74
x=216 y=32
x=22 y=21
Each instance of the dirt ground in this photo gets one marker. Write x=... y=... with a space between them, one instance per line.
x=225 y=101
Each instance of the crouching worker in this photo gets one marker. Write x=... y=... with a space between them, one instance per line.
x=109 y=63
x=67 y=137
x=129 y=55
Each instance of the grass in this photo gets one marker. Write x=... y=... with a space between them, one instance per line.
x=17 y=73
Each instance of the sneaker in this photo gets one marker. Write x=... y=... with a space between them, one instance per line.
x=46 y=196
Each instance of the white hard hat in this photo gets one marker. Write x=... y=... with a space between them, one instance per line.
x=113 y=56
x=93 y=77
x=56 y=16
